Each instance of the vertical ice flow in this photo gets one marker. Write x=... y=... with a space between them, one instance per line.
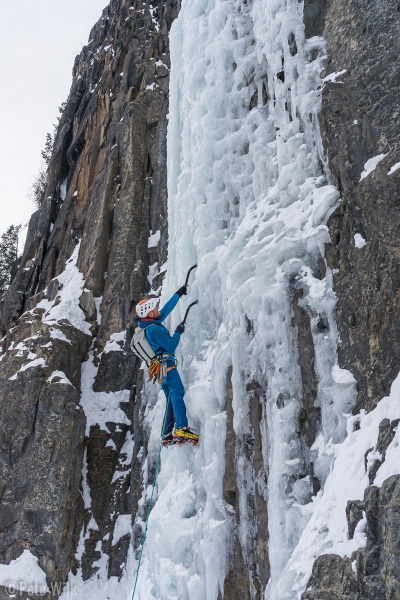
x=249 y=200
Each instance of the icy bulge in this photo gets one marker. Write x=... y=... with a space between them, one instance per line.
x=249 y=198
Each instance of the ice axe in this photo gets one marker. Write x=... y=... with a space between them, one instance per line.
x=187 y=311
x=188 y=274
x=193 y=303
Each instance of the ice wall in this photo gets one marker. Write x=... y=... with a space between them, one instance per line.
x=249 y=197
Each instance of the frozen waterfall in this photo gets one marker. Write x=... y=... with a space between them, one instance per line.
x=249 y=198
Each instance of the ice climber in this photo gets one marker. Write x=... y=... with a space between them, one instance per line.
x=150 y=318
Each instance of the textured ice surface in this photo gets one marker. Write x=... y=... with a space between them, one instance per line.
x=248 y=202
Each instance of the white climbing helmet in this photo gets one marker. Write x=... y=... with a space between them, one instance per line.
x=145 y=306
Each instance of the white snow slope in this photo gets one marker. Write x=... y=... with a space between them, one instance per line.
x=249 y=198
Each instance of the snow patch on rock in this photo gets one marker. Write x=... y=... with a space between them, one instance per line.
x=327 y=528
x=24 y=574
x=359 y=241
x=371 y=165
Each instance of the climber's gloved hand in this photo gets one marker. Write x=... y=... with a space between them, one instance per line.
x=182 y=291
x=180 y=329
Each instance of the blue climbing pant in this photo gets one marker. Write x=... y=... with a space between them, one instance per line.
x=176 y=409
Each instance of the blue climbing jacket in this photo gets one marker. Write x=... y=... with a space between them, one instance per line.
x=157 y=335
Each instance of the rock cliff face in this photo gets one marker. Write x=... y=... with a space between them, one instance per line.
x=107 y=193
x=74 y=463
x=359 y=121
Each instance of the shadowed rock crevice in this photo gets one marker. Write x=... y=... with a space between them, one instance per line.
x=310 y=415
x=246 y=487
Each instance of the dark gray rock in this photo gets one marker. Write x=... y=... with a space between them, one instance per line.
x=314 y=16
x=332 y=579
x=237 y=582
x=372 y=573
x=387 y=431
x=110 y=152
x=40 y=503
x=115 y=371
x=359 y=120
x=354 y=514
x=310 y=415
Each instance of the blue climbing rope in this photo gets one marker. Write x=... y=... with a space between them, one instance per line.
x=151 y=500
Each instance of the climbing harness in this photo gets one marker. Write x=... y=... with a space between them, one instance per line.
x=151 y=499
x=158 y=369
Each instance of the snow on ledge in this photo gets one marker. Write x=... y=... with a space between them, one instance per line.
x=100 y=407
x=327 y=528
x=24 y=573
x=154 y=238
x=112 y=344
x=63 y=378
x=57 y=334
x=395 y=168
x=342 y=376
x=98 y=302
x=123 y=526
x=38 y=362
x=71 y=284
x=359 y=241
x=371 y=165
x=333 y=76
x=153 y=272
